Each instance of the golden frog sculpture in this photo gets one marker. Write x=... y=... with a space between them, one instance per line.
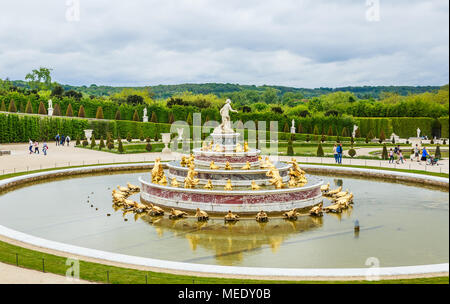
x=247 y=166
x=190 y=181
x=228 y=186
x=262 y=217
x=201 y=215
x=255 y=186
x=230 y=217
x=213 y=166
x=228 y=166
x=209 y=185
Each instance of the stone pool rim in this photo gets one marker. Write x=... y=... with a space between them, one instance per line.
x=216 y=270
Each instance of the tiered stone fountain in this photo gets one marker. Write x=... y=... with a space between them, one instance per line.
x=237 y=179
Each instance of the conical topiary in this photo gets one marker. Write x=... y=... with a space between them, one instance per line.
x=42 y=109
x=93 y=144
x=136 y=116
x=290 y=148
x=3 y=106
x=154 y=119
x=57 y=110
x=117 y=116
x=320 y=150
x=384 y=154
x=120 y=147
x=99 y=114
x=69 y=111
x=12 y=106
x=189 y=119
x=81 y=112
x=101 y=144
x=437 y=153
x=29 y=108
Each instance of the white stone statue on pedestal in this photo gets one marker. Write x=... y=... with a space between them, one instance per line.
x=50 y=108
x=293 y=127
x=355 y=127
x=418 y=133
x=225 y=126
x=145 y=117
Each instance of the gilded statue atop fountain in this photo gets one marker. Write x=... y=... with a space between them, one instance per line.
x=183 y=161
x=266 y=163
x=245 y=146
x=276 y=179
x=190 y=181
x=157 y=171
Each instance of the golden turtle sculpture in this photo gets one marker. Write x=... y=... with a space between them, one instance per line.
x=325 y=188
x=155 y=210
x=316 y=210
x=175 y=214
x=201 y=215
x=230 y=217
x=262 y=217
x=291 y=215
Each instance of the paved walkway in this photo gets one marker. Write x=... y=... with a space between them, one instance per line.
x=10 y=274
x=59 y=156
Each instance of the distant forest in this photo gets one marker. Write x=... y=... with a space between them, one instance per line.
x=224 y=89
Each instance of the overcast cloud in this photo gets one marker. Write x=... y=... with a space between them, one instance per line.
x=280 y=42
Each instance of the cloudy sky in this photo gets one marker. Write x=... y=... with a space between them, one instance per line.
x=278 y=42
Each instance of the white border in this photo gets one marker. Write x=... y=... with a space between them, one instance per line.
x=215 y=269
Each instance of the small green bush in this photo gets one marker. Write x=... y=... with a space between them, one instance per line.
x=101 y=144
x=352 y=152
x=320 y=150
x=148 y=147
x=85 y=143
x=120 y=147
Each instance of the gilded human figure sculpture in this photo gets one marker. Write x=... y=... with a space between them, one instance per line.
x=218 y=148
x=246 y=146
x=183 y=161
x=205 y=146
x=174 y=182
x=163 y=181
x=276 y=179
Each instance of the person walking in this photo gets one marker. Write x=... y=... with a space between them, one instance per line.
x=36 y=147
x=400 y=156
x=416 y=152
x=339 y=151
x=57 y=139
x=68 y=140
x=391 y=156
x=63 y=140
x=424 y=154
x=30 y=147
x=44 y=148
x=335 y=153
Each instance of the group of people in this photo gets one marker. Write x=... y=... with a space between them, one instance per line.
x=34 y=147
x=396 y=151
x=61 y=140
x=337 y=152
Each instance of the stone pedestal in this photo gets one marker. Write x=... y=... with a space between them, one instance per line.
x=50 y=112
x=145 y=119
x=292 y=130
x=415 y=140
x=166 y=141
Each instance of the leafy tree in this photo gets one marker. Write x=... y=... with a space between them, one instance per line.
x=58 y=91
x=101 y=144
x=57 y=110
x=320 y=150
x=3 y=106
x=29 y=108
x=117 y=116
x=277 y=110
x=69 y=111
x=384 y=154
x=154 y=119
x=99 y=114
x=39 y=79
x=42 y=109
x=81 y=112
x=135 y=99
x=304 y=113
x=73 y=94
x=136 y=116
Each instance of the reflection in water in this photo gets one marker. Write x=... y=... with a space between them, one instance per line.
x=229 y=242
x=338 y=182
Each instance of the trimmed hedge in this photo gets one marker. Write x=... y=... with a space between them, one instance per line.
x=404 y=127
x=444 y=126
